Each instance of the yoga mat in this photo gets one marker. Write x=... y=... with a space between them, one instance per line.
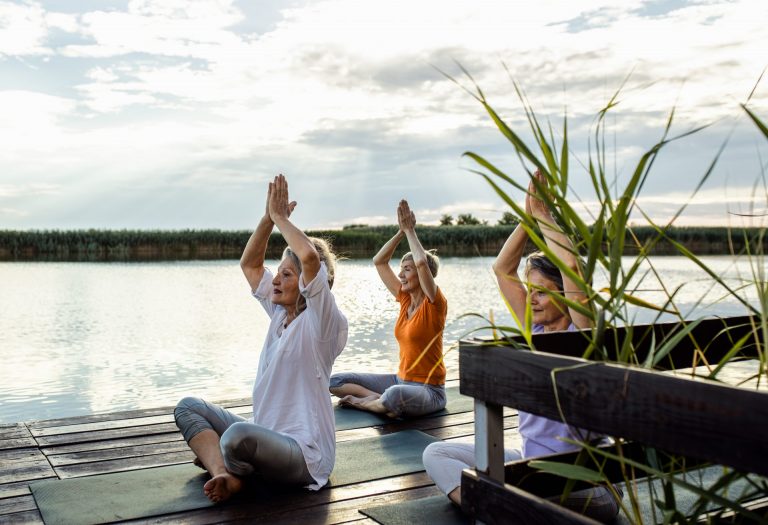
x=121 y=496
x=437 y=509
x=162 y=490
x=348 y=418
x=380 y=457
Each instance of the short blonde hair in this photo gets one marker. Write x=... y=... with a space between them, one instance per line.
x=433 y=261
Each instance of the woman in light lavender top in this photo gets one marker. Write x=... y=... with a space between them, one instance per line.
x=291 y=437
x=541 y=436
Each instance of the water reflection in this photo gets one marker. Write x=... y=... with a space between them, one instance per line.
x=77 y=338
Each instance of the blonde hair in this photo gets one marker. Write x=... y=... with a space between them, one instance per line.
x=433 y=261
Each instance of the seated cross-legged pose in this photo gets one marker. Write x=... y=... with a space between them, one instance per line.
x=419 y=386
x=541 y=436
x=291 y=437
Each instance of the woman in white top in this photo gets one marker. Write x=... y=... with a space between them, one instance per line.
x=291 y=437
x=541 y=436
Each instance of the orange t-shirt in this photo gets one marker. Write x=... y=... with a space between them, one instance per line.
x=421 y=339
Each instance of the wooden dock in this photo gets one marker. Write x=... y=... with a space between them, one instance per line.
x=140 y=439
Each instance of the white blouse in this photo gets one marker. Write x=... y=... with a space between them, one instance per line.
x=290 y=394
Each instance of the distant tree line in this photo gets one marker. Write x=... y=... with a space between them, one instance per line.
x=466 y=238
x=467 y=219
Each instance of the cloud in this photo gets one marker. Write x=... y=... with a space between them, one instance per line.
x=22 y=29
x=168 y=28
x=21 y=190
x=176 y=97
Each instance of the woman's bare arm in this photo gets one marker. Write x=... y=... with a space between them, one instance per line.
x=563 y=249
x=381 y=262
x=407 y=221
x=279 y=211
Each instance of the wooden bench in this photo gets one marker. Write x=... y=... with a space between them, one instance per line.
x=657 y=416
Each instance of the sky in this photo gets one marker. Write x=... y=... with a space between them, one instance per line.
x=175 y=114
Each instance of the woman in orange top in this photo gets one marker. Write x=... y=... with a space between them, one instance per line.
x=419 y=386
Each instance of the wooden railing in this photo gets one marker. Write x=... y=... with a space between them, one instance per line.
x=699 y=421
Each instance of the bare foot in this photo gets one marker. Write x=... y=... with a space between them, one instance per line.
x=196 y=462
x=370 y=403
x=222 y=487
x=357 y=402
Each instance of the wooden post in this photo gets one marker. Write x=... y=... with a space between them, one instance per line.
x=489 y=440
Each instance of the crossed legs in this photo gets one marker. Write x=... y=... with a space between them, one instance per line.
x=231 y=449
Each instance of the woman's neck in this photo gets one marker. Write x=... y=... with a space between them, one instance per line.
x=290 y=314
x=416 y=298
x=558 y=325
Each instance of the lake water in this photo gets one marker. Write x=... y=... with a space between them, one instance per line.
x=81 y=338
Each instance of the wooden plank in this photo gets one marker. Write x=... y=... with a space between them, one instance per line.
x=16 y=435
x=126 y=414
x=31 y=517
x=124 y=464
x=17 y=488
x=24 y=465
x=101 y=435
x=712 y=337
x=13 y=431
x=16 y=504
x=13 y=457
x=113 y=443
x=27 y=473
x=701 y=419
x=23 y=442
x=116 y=424
x=106 y=454
x=490 y=502
x=489 y=439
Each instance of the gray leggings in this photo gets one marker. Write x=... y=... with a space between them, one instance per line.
x=248 y=448
x=403 y=398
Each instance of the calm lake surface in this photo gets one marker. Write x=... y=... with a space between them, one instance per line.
x=81 y=338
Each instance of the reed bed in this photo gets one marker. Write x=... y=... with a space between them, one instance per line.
x=358 y=241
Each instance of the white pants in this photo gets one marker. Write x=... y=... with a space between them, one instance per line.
x=445 y=461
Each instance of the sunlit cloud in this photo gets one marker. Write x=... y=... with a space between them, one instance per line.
x=157 y=96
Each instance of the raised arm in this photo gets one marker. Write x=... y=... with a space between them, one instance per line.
x=252 y=260
x=381 y=262
x=505 y=267
x=279 y=211
x=562 y=247
x=407 y=221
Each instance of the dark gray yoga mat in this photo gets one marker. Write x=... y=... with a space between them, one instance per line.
x=348 y=418
x=437 y=509
x=163 y=490
x=121 y=496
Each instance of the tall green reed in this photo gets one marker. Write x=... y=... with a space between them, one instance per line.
x=602 y=246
